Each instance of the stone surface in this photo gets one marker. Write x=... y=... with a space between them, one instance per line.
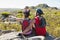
x=12 y=35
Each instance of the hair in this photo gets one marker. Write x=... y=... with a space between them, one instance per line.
x=27 y=12
x=26 y=7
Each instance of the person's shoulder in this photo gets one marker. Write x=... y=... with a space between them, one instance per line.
x=42 y=18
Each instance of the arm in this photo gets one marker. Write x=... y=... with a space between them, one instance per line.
x=29 y=27
x=17 y=19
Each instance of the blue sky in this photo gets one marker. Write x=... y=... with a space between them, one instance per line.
x=23 y=3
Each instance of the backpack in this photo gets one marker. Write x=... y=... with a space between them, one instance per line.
x=25 y=24
x=39 y=29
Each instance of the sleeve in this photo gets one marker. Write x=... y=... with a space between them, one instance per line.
x=43 y=22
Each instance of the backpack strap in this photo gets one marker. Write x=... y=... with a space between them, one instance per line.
x=43 y=22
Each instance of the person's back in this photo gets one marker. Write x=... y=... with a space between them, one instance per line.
x=26 y=21
x=40 y=26
x=25 y=24
x=40 y=23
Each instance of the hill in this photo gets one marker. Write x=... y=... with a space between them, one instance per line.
x=43 y=6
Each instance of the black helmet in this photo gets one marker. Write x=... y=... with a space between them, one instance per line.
x=39 y=11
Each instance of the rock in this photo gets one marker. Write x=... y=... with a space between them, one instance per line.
x=8 y=31
x=8 y=35
x=37 y=38
x=13 y=35
x=57 y=38
x=49 y=37
x=0 y=32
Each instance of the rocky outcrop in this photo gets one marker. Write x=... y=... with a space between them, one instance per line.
x=6 y=31
x=13 y=35
x=57 y=38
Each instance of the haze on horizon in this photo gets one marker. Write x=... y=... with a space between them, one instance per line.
x=22 y=3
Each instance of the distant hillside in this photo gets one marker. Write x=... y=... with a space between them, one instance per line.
x=43 y=6
x=9 y=9
x=13 y=11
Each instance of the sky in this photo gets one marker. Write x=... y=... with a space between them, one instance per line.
x=22 y=3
